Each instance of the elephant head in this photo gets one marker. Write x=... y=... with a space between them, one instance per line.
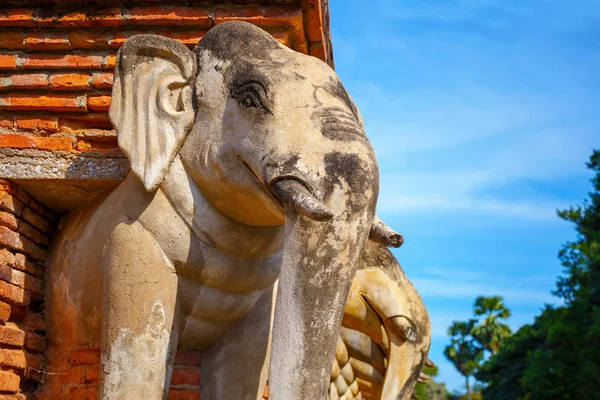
x=271 y=138
x=386 y=333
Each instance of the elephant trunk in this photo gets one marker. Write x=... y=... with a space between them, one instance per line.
x=323 y=243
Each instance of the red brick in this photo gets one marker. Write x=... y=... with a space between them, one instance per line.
x=26 y=81
x=187 y=357
x=12 y=358
x=267 y=16
x=82 y=393
x=84 y=121
x=35 y=206
x=120 y=37
x=84 y=357
x=45 y=102
x=11 y=40
x=17 y=278
x=69 y=81
x=314 y=22
x=14 y=190
x=185 y=376
x=183 y=394
x=13 y=294
x=7 y=258
x=177 y=16
x=32 y=233
x=47 y=41
x=34 y=218
x=190 y=39
x=14 y=241
x=261 y=15
x=109 y=62
x=46 y=124
x=9 y=202
x=102 y=80
x=49 y=215
x=17 y=17
x=21 y=279
x=282 y=36
x=4 y=311
x=8 y=61
x=91 y=374
x=18 y=261
x=39 y=143
x=33 y=322
x=15 y=396
x=8 y=220
x=317 y=50
x=109 y=18
x=7 y=122
x=35 y=342
x=89 y=39
x=11 y=335
x=9 y=382
x=98 y=103
x=91 y=145
x=51 y=61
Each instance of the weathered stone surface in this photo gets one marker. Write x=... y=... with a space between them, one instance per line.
x=35 y=164
x=62 y=181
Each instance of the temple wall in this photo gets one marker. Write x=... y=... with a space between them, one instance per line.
x=25 y=230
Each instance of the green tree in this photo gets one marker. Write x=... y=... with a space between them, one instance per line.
x=558 y=356
x=431 y=390
x=463 y=350
x=490 y=332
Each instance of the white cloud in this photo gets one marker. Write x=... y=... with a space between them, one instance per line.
x=435 y=283
x=518 y=293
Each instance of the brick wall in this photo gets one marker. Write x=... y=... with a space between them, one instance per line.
x=25 y=227
x=56 y=63
x=79 y=380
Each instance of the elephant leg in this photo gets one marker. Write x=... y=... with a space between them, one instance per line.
x=139 y=330
x=237 y=366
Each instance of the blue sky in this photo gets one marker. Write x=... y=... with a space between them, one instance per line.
x=482 y=114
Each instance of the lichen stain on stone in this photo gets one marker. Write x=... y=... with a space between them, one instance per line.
x=131 y=349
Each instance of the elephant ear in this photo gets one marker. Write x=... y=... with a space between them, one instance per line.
x=151 y=105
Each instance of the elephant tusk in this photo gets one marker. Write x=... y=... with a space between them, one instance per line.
x=423 y=378
x=429 y=363
x=403 y=327
x=294 y=194
x=384 y=235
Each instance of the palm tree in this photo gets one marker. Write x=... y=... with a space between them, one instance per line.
x=490 y=333
x=463 y=351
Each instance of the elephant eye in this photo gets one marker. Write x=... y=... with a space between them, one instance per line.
x=248 y=101
x=250 y=95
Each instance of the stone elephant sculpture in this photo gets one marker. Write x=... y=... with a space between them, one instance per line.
x=238 y=231
x=385 y=334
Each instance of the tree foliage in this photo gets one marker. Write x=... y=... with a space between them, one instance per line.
x=558 y=356
x=431 y=390
x=463 y=350
x=491 y=332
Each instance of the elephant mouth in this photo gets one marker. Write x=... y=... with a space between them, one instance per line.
x=290 y=192
x=260 y=183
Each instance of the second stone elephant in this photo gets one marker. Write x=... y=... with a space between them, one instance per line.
x=238 y=231
x=385 y=334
